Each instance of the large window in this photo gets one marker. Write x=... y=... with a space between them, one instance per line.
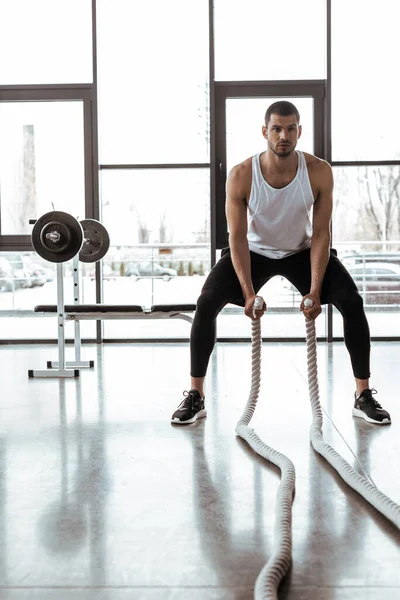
x=41 y=162
x=153 y=81
x=153 y=73
x=365 y=85
x=366 y=230
x=156 y=205
x=45 y=41
x=262 y=40
x=160 y=237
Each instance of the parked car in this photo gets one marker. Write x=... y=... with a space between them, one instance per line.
x=150 y=269
x=378 y=282
x=39 y=274
x=6 y=278
x=20 y=270
x=131 y=270
x=366 y=257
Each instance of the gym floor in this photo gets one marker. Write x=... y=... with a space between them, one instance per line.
x=102 y=498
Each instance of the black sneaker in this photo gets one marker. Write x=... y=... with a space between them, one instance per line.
x=366 y=407
x=190 y=409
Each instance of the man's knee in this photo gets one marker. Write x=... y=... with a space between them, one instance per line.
x=208 y=303
x=348 y=301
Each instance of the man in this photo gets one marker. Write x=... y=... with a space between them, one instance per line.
x=279 y=207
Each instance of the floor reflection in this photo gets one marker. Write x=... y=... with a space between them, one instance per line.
x=98 y=491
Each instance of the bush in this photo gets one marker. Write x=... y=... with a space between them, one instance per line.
x=181 y=270
x=190 y=269
x=122 y=269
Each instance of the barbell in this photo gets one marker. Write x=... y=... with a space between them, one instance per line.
x=57 y=237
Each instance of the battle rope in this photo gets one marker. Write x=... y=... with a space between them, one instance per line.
x=266 y=587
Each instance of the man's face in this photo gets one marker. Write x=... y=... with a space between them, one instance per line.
x=282 y=134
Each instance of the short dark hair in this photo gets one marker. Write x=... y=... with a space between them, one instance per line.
x=283 y=108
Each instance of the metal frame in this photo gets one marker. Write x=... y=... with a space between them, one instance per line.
x=55 y=93
x=328 y=135
x=61 y=370
x=95 y=169
x=155 y=166
x=78 y=363
x=213 y=172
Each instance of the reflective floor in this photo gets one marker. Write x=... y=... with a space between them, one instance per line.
x=102 y=498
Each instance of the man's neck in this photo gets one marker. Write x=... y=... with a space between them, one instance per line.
x=280 y=164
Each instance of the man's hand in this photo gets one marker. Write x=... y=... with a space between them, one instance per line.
x=249 y=306
x=314 y=310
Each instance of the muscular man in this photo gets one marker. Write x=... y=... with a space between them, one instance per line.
x=279 y=207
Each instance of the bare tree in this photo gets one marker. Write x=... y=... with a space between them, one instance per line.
x=203 y=236
x=144 y=232
x=380 y=189
x=164 y=235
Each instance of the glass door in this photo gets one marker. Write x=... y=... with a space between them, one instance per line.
x=240 y=117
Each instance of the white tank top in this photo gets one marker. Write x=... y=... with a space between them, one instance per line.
x=279 y=220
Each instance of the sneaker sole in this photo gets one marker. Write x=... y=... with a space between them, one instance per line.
x=199 y=415
x=362 y=415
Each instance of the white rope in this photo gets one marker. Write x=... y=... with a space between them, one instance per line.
x=268 y=580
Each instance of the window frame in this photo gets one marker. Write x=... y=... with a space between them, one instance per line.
x=46 y=93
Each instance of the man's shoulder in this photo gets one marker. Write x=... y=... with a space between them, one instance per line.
x=241 y=171
x=315 y=164
x=319 y=170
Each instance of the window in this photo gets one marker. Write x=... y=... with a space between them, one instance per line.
x=27 y=280
x=365 y=89
x=153 y=81
x=367 y=237
x=257 y=40
x=159 y=226
x=41 y=162
x=44 y=41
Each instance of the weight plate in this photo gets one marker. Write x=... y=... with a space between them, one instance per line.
x=57 y=236
x=96 y=241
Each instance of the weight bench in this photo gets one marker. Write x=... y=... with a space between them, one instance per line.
x=99 y=312
x=58 y=237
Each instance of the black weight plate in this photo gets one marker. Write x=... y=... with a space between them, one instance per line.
x=96 y=241
x=71 y=236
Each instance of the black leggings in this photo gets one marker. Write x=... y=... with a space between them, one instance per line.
x=338 y=288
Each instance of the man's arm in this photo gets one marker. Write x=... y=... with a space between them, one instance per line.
x=236 y=213
x=321 y=237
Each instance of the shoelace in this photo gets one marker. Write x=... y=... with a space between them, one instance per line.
x=188 y=400
x=370 y=399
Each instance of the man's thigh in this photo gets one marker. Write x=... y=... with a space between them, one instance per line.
x=337 y=281
x=336 y=278
x=224 y=281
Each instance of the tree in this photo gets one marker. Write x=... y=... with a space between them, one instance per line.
x=380 y=189
x=164 y=237
x=144 y=232
x=367 y=204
